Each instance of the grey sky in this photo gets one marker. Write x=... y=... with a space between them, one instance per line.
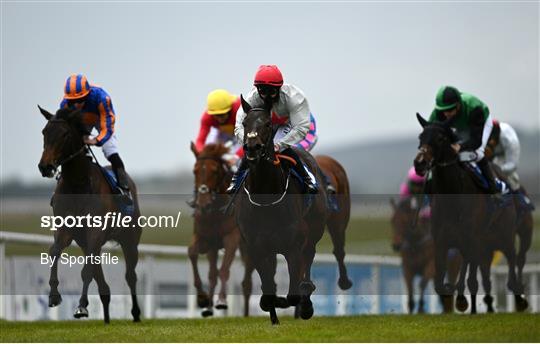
x=366 y=68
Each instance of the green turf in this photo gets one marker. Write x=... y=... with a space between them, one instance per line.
x=380 y=328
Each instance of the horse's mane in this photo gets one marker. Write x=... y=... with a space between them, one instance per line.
x=213 y=150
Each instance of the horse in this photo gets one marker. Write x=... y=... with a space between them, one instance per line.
x=338 y=219
x=412 y=239
x=461 y=215
x=524 y=231
x=213 y=228
x=276 y=217
x=83 y=189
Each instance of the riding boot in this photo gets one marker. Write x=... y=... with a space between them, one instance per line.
x=301 y=170
x=121 y=178
x=489 y=175
x=237 y=177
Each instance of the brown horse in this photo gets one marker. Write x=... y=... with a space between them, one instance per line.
x=338 y=220
x=82 y=189
x=275 y=217
x=412 y=239
x=462 y=217
x=213 y=229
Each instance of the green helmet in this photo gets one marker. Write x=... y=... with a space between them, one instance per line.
x=447 y=98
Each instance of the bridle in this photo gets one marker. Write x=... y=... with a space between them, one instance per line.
x=203 y=188
x=84 y=148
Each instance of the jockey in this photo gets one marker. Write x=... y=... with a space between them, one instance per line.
x=503 y=150
x=217 y=125
x=97 y=112
x=290 y=110
x=217 y=122
x=470 y=117
x=414 y=187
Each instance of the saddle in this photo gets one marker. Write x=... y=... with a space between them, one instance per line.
x=481 y=181
x=110 y=177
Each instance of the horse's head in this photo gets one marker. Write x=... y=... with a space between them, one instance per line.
x=258 y=132
x=405 y=226
x=435 y=144
x=210 y=171
x=62 y=137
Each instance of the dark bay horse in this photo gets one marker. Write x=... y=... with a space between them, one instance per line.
x=412 y=239
x=82 y=189
x=276 y=217
x=213 y=229
x=463 y=215
x=338 y=220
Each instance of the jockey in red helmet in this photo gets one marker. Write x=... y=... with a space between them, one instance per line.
x=290 y=109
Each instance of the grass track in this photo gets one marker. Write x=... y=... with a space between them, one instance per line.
x=373 y=328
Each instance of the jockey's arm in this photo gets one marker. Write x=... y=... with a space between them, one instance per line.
x=204 y=129
x=106 y=121
x=239 y=127
x=299 y=118
x=511 y=147
x=476 y=125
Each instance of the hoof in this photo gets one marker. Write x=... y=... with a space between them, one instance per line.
x=521 y=303
x=344 y=283
x=55 y=300
x=307 y=288
x=281 y=302
x=293 y=300
x=207 y=312
x=203 y=301
x=267 y=302
x=221 y=304
x=461 y=303
x=80 y=312
x=306 y=310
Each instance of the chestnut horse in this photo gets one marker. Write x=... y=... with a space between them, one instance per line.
x=412 y=239
x=276 y=217
x=213 y=229
x=82 y=189
x=337 y=221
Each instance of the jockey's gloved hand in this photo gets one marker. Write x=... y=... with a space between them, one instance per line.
x=89 y=140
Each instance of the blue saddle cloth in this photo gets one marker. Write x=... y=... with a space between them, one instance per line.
x=113 y=183
x=482 y=181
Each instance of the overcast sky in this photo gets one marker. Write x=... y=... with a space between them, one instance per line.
x=366 y=68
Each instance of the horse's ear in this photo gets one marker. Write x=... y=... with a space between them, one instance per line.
x=421 y=120
x=245 y=105
x=45 y=113
x=194 y=149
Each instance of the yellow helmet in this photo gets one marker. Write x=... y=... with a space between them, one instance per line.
x=219 y=102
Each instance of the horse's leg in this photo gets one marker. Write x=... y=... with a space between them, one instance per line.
x=87 y=274
x=266 y=267
x=426 y=276
x=131 y=255
x=337 y=233
x=485 y=270
x=306 y=286
x=61 y=241
x=247 y=283
x=230 y=244
x=408 y=276
x=441 y=254
x=512 y=284
x=461 y=301
x=472 y=284
x=525 y=231
x=293 y=265
x=104 y=291
x=193 y=253
x=212 y=280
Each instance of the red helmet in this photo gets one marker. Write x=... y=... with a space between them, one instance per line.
x=268 y=75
